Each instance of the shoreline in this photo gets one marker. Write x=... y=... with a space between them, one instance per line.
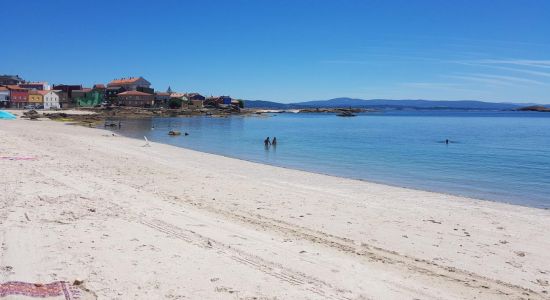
x=369 y=181
x=341 y=237
x=495 y=198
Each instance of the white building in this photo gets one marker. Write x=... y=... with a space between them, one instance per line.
x=51 y=100
x=4 y=97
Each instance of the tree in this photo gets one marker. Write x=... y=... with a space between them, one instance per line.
x=175 y=103
x=241 y=103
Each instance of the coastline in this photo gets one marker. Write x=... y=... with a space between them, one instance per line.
x=370 y=181
x=513 y=190
x=360 y=239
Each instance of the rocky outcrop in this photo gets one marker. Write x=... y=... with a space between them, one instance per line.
x=534 y=108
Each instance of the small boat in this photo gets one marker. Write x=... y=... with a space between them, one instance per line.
x=346 y=114
x=174 y=132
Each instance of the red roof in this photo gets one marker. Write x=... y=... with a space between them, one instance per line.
x=124 y=81
x=3 y=88
x=15 y=87
x=99 y=86
x=163 y=94
x=38 y=92
x=134 y=93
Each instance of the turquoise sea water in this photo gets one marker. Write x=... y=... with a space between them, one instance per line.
x=500 y=156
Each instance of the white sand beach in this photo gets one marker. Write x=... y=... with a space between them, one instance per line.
x=162 y=222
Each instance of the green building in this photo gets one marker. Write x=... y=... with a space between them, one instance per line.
x=89 y=98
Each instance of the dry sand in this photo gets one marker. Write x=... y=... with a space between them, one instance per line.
x=162 y=222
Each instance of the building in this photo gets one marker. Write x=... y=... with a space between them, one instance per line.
x=80 y=93
x=67 y=88
x=87 y=97
x=64 y=101
x=195 y=104
x=101 y=89
x=4 y=97
x=180 y=96
x=112 y=92
x=135 y=98
x=36 y=97
x=19 y=96
x=10 y=80
x=225 y=100
x=41 y=86
x=216 y=101
x=51 y=100
x=195 y=96
x=131 y=84
x=162 y=99
x=145 y=90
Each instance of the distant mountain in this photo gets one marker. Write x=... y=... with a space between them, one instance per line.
x=264 y=104
x=272 y=105
x=418 y=104
x=386 y=104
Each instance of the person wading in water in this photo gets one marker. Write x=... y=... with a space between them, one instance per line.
x=267 y=142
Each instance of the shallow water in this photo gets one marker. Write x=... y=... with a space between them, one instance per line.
x=500 y=156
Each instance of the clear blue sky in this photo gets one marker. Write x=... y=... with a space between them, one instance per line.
x=289 y=50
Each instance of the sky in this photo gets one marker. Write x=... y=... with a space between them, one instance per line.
x=289 y=50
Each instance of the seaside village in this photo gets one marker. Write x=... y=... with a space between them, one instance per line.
x=17 y=93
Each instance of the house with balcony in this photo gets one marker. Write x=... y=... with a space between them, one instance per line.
x=19 y=96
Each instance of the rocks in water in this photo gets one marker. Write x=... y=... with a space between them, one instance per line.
x=346 y=114
x=534 y=108
x=174 y=132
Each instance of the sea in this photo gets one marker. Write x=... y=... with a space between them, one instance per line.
x=499 y=156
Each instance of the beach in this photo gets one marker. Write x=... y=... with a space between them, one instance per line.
x=162 y=222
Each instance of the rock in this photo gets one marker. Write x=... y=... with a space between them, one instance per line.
x=520 y=253
x=78 y=281
x=534 y=108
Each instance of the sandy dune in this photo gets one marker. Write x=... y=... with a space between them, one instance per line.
x=162 y=222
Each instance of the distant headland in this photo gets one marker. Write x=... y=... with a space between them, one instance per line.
x=384 y=104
